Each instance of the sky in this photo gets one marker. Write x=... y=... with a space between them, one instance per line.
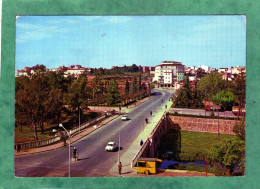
x=106 y=41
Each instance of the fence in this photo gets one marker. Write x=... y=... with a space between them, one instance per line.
x=55 y=139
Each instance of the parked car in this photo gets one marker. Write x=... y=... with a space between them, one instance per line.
x=214 y=108
x=236 y=110
x=124 y=118
x=207 y=108
x=111 y=146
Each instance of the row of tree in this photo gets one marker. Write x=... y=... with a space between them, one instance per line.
x=50 y=97
x=211 y=88
x=116 y=70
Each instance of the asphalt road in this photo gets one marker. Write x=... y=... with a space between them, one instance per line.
x=201 y=112
x=94 y=161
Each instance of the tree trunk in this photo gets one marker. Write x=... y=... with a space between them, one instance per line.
x=35 y=131
x=21 y=128
x=42 y=127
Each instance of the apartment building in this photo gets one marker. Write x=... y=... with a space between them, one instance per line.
x=168 y=72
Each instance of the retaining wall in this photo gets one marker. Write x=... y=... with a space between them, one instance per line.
x=202 y=124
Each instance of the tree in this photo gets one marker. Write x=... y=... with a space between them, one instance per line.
x=34 y=101
x=134 y=68
x=134 y=87
x=78 y=94
x=211 y=85
x=224 y=98
x=183 y=96
x=229 y=155
x=140 y=82
x=126 y=87
x=239 y=129
x=199 y=73
x=113 y=96
x=240 y=84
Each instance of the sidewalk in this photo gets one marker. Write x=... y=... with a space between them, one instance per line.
x=128 y=156
x=73 y=139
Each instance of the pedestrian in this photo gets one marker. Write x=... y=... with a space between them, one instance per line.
x=141 y=143
x=119 y=108
x=64 y=141
x=18 y=147
x=151 y=113
x=146 y=120
x=119 y=168
x=75 y=154
x=165 y=106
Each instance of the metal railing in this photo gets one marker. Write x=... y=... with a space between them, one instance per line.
x=45 y=142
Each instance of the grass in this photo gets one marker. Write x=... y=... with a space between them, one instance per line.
x=28 y=135
x=190 y=146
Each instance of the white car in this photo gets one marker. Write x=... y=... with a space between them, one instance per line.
x=124 y=118
x=111 y=146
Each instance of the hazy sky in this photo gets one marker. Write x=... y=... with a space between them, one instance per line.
x=105 y=41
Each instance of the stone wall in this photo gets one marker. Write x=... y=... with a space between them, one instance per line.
x=201 y=124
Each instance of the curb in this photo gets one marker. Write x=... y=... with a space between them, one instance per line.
x=66 y=145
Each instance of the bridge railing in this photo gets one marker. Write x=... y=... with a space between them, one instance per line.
x=45 y=142
x=139 y=153
x=146 y=143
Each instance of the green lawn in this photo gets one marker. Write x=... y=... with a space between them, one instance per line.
x=27 y=134
x=190 y=146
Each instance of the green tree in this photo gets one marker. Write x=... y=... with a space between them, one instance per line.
x=239 y=128
x=140 y=82
x=134 y=68
x=113 y=96
x=34 y=101
x=240 y=90
x=228 y=155
x=211 y=85
x=224 y=98
x=78 y=94
x=199 y=73
x=126 y=87
x=134 y=86
x=183 y=97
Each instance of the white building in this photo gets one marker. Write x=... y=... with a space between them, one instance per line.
x=205 y=68
x=74 y=72
x=168 y=72
x=19 y=73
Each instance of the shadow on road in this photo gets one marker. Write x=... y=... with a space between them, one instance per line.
x=83 y=158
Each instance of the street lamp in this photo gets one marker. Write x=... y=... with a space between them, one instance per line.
x=118 y=142
x=60 y=125
x=79 y=119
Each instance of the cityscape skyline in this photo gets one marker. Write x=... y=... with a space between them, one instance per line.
x=106 y=41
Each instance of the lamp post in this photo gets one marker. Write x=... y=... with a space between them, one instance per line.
x=118 y=142
x=79 y=119
x=60 y=125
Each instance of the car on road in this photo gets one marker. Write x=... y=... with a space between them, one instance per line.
x=124 y=118
x=111 y=146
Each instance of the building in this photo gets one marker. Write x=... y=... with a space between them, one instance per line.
x=205 y=68
x=168 y=72
x=148 y=69
x=19 y=73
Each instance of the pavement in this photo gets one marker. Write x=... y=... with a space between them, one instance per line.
x=127 y=157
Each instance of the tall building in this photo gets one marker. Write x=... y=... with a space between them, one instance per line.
x=168 y=72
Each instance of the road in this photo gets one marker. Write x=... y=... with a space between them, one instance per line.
x=201 y=112
x=94 y=161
